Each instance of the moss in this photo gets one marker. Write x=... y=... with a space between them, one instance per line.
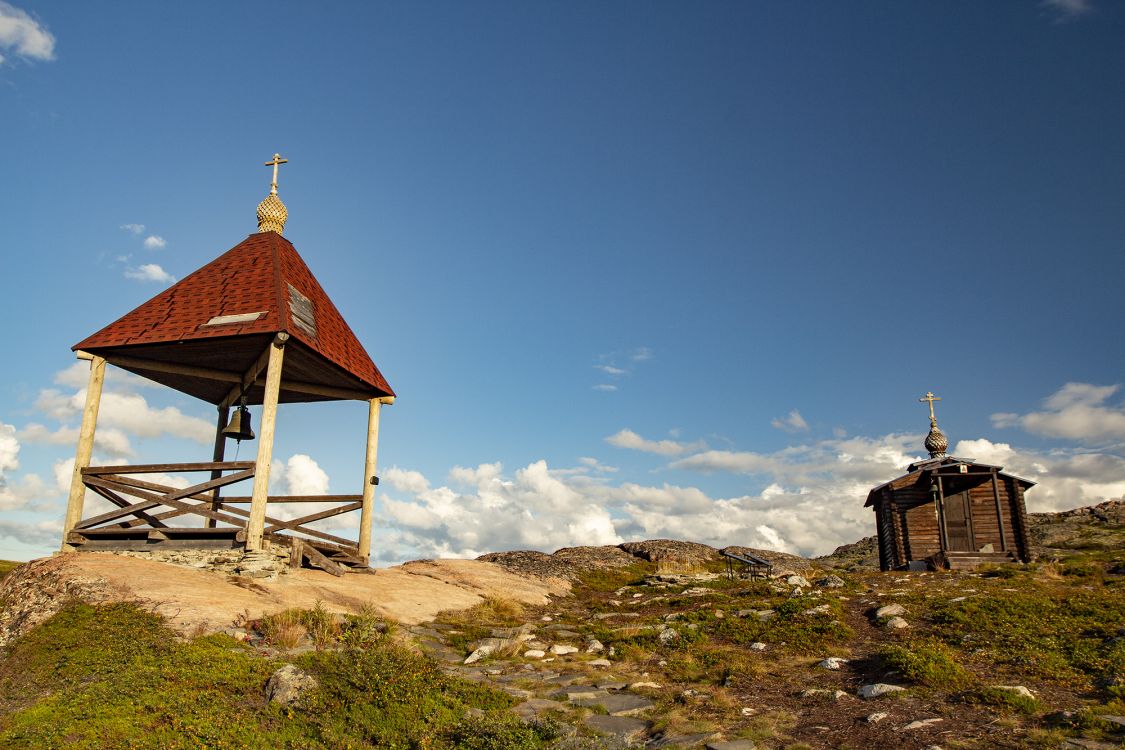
x=1006 y=700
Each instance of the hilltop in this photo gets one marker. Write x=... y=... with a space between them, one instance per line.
x=641 y=644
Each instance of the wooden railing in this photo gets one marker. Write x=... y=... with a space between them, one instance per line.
x=144 y=508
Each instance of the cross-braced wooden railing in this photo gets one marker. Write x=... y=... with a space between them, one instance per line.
x=140 y=523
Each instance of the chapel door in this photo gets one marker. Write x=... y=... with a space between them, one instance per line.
x=958 y=525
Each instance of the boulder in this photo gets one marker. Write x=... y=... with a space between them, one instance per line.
x=897 y=623
x=890 y=610
x=288 y=684
x=833 y=663
x=877 y=690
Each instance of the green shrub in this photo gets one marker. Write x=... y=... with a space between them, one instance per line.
x=927 y=661
x=501 y=731
x=1002 y=699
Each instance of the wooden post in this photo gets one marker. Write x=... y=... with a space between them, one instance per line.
x=85 y=446
x=260 y=495
x=367 y=513
x=218 y=455
x=999 y=511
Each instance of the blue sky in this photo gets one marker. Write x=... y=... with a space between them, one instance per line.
x=634 y=269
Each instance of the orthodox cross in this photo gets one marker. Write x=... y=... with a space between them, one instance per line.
x=931 y=398
x=273 y=163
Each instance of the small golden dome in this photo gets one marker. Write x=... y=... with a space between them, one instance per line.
x=272 y=214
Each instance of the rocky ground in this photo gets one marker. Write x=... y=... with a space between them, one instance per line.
x=654 y=644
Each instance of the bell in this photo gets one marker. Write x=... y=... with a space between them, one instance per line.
x=239 y=425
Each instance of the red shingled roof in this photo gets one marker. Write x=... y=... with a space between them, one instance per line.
x=263 y=274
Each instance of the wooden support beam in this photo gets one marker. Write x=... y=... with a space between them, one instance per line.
x=166 y=468
x=173 y=368
x=256 y=524
x=367 y=514
x=315 y=389
x=293 y=524
x=77 y=495
x=152 y=499
x=120 y=502
x=279 y=499
x=241 y=384
x=217 y=456
x=999 y=511
x=322 y=562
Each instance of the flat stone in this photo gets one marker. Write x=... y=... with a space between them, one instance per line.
x=831 y=581
x=833 y=663
x=682 y=740
x=897 y=623
x=619 y=704
x=535 y=706
x=921 y=724
x=1082 y=743
x=599 y=662
x=1118 y=720
x=612 y=685
x=627 y=730
x=890 y=610
x=645 y=686
x=480 y=653
x=758 y=646
x=731 y=745
x=580 y=694
x=534 y=653
x=796 y=580
x=878 y=690
x=568 y=678
x=876 y=717
x=1019 y=690
x=562 y=650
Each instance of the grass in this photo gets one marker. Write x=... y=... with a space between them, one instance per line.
x=113 y=676
x=6 y=567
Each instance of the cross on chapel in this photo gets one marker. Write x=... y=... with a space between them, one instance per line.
x=274 y=163
x=931 y=398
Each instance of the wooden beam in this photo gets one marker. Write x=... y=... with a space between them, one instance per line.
x=131 y=486
x=259 y=497
x=121 y=502
x=219 y=453
x=151 y=500
x=367 y=514
x=277 y=499
x=248 y=377
x=77 y=496
x=999 y=510
x=295 y=523
x=315 y=389
x=322 y=562
x=165 y=468
x=173 y=368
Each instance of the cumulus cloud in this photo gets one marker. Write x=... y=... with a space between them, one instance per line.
x=304 y=476
x=44 y=533
x=607 y=387
x=628 y=439
x=149 y=272
x=130 y=412
x=155 y=242
x=134 y=228
x=112 y=443
x=1077 y=411
x=792 y=423
x=23 y=35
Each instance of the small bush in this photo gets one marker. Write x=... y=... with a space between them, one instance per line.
x=1002 y=699
x=321 y=625
x=282 y=629
x=501 y=731
x=928 y=662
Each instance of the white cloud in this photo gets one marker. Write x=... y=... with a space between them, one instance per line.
x=155 y=242
x=408 y=481
x=134 y=228
x=129 y=411
x=792 y=423
x=1068 y=10
x=608 y=387
x=304 y=476
x=23 y=35
x=611 y=370
x=628 y=439
x=110 y=442
x=1077 y=411
x=641 y=354
x=42 y=533
x=149 y=272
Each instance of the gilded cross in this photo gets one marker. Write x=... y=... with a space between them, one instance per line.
x=931 y=398
x=273 y=163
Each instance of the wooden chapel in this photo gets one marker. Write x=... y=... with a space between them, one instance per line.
x=949 y=512
x=251 y=328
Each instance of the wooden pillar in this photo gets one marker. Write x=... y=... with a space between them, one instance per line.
x=218 y=455
x=367 y=512
x=260 y=497
x=999 y=511
x=85 y=446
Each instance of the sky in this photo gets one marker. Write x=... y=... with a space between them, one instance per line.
x=635 y=270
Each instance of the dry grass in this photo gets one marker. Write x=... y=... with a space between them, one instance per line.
x=283 y=629
x=493 y=610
